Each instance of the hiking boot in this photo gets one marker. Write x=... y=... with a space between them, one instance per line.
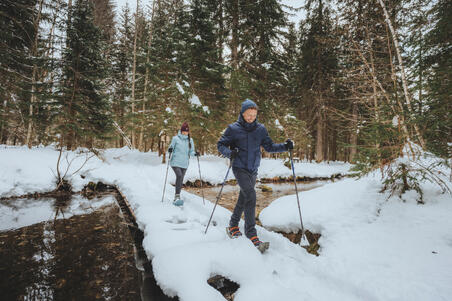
x=233 y=232
x=178 y=201
x=261 y=246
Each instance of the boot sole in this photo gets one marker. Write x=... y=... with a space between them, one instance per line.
x=263 y=247
x=229 y=234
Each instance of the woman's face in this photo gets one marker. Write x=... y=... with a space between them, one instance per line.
x=250 y=115
x=184 y=133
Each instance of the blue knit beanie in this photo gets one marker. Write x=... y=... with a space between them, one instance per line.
x=248 y=104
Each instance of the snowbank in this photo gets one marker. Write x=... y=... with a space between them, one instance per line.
x=372 y=249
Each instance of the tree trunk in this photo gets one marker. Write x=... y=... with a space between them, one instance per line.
x=146 y=81
x=3 y=120
x=134 y=69
x=221 y=31
x=333 y=149
x=326 y=144
x=235 y=38
x=354 y=133
x=376 y=105
x=319 y=135
x=33 y=77
x=402 y=72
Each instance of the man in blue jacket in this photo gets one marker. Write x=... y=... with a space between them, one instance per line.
x=241 y=143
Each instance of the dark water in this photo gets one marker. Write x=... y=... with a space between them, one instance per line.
x=89 y=256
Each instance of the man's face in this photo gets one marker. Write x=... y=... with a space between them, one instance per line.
x=250 y=115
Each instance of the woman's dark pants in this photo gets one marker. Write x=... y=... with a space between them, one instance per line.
x=180 y=173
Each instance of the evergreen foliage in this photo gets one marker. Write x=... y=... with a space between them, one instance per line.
x=437 y=117
x=78 y=75
x=85 y=110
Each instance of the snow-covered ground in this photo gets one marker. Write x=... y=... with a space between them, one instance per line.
x=373 y=248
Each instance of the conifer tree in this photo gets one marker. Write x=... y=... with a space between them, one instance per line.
x=17 y=36
x=121 y=71
x=437 y=115
x=85 y=109
x=206 y=71
x=318 y=68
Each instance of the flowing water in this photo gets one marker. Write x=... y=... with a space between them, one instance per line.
x=264 y=197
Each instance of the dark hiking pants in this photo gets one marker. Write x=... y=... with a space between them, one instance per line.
x=246 y=202
x=180 y=173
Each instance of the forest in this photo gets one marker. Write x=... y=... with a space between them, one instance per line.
x=353 y=81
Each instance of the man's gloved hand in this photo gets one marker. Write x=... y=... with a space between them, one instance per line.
x=170 y=150
x=289 y=144
x=234 y=153
x=197 y=154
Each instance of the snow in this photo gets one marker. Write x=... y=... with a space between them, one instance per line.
x=372 y=247
x=179 y=87
x=278 y=125
x=395 y=121
x=289 y=117
x=195 y=102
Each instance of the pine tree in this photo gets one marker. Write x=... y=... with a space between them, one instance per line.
x=318 y=68
x=17 y=37
x=260 y=40
x=121 y=72
x=437 y=115
x=85 y=109
x=206 y=71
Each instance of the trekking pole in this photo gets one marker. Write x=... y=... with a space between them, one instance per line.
x=219 y=195
x=296 y=191
x=167 y=167
x=200 y=179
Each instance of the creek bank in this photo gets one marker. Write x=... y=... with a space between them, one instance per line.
x=199 y=184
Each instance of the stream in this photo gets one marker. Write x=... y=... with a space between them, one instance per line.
x=72 y=249
x=264 y=198
x=85 y=249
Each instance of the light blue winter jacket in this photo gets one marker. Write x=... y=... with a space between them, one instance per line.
x=181 y=152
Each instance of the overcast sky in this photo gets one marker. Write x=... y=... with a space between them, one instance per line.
x=133 y=4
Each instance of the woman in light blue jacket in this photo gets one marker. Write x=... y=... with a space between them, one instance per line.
x=181 y=148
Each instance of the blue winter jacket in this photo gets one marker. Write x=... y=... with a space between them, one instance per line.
x=181 y=151
x=248 y=138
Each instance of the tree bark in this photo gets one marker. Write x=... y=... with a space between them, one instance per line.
x=333 y=149
x=3 y=120
x=146 y=81
x=235 y=37
x=354 y=133
x=33 y=77
x=319 y=135
x=221 y=26
x=134 y=74
x=402 y=72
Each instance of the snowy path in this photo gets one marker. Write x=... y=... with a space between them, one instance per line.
x=372 y=249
